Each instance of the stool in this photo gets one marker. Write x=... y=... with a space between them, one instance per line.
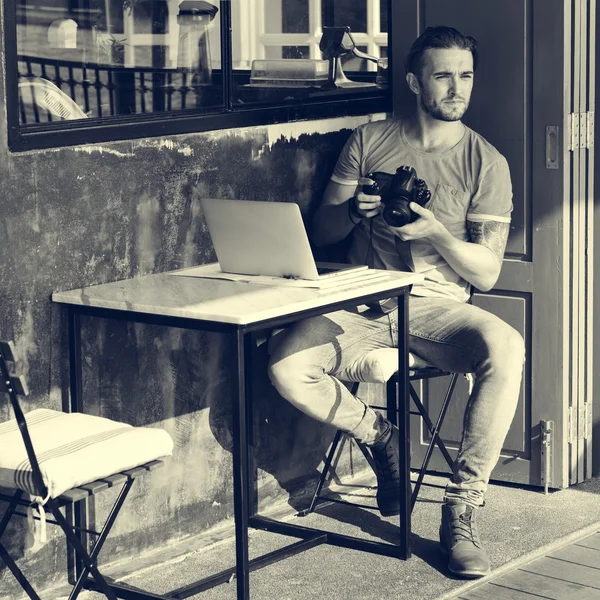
x=381 y=367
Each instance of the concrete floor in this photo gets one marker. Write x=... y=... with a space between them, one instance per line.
x=516 y=526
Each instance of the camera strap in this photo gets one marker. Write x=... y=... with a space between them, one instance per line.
x=388 y=304
x=369 y=259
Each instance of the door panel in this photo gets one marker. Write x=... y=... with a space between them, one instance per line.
x=575 y=230
x=522 y=86
x=515 y=310
x=498 y=109
x=590 y=248
x=582 y=210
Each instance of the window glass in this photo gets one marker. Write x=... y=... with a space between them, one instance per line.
x=286 y=17
x=351 y=13
x=275 y=52
x=98 y=58
x=383 y=15
x=100 y=70
x=308 y=49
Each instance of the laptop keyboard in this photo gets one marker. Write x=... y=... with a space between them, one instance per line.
x=342 y=284
x=324 y=270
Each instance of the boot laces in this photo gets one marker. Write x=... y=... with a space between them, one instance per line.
x=464 y=528
x=386 y=465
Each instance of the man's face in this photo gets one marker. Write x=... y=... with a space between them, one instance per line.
x=446 y=82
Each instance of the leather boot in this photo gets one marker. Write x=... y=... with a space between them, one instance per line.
x=459 y=538
x=387 y=466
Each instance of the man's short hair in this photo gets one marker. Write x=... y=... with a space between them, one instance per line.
x=439 y=37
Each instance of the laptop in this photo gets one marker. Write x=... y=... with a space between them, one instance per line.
x=253 y=237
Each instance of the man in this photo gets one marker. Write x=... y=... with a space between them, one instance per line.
x=457 y=241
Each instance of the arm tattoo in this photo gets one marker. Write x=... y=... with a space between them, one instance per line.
x=491 y=234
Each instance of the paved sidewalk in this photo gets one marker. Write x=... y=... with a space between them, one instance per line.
x=517 y=526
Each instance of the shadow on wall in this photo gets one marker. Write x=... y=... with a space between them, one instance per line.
x=289 y=446
x=182 y=381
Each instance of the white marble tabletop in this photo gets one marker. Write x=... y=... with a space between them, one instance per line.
x=223 y=301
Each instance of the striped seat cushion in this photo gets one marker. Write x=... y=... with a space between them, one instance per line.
x=74 y=449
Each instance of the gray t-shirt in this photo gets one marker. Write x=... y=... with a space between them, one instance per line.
x=471 y=181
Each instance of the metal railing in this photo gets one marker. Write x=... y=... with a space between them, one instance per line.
x=106 y=90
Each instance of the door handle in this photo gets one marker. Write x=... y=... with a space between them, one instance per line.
x=552 y=147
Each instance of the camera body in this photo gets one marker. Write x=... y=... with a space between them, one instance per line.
x=397 y=191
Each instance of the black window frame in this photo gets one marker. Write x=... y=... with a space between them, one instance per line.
x=226 y=116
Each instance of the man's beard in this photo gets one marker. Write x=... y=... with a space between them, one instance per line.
x=440 y=112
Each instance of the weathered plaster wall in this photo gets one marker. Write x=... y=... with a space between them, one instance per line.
x=88 y=215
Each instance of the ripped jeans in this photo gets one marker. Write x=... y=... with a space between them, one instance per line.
x=315 y=355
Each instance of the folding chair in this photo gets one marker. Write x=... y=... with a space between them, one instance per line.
x=381 y=366
x=53 y=459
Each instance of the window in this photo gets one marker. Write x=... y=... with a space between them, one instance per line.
x=95 y=70
x=283 y=48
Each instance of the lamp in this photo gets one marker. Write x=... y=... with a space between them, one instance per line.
x=335 y=43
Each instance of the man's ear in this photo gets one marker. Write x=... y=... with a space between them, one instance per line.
x=413 y=83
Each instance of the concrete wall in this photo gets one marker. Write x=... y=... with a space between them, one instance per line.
x=87 y=215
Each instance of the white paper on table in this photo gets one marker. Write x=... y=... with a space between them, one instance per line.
x=213 y=271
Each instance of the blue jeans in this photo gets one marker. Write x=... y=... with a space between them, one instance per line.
x=314 y=357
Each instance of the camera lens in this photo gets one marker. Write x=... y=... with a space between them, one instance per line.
x=396 y=214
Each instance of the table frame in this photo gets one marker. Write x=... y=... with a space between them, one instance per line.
x=242 y=442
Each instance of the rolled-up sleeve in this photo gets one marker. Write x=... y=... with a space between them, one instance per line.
x=492 y=200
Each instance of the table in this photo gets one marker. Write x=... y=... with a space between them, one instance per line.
x=239 y=309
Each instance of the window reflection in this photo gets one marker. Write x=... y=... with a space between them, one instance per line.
x=286 y=17
x=350 y=13
x=303 y=49
x=96 y=58
x=80 y=59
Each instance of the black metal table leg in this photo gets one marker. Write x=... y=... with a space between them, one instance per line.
x=249 y=364
x=240 y=470
x=79 y=517
x=75 y=368
x=403 y=403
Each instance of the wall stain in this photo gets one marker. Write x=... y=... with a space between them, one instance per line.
x=92 y=149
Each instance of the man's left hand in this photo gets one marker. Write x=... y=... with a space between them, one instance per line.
x=426 y=226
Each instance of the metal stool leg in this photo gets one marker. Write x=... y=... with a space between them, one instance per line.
x=435 y=438
x=391 y=414
x=329 y=459
x=435 y=428
x=324 y=473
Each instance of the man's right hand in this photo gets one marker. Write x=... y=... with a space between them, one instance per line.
x=365 y=204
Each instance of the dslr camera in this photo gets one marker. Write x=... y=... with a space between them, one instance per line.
x=396 y=192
